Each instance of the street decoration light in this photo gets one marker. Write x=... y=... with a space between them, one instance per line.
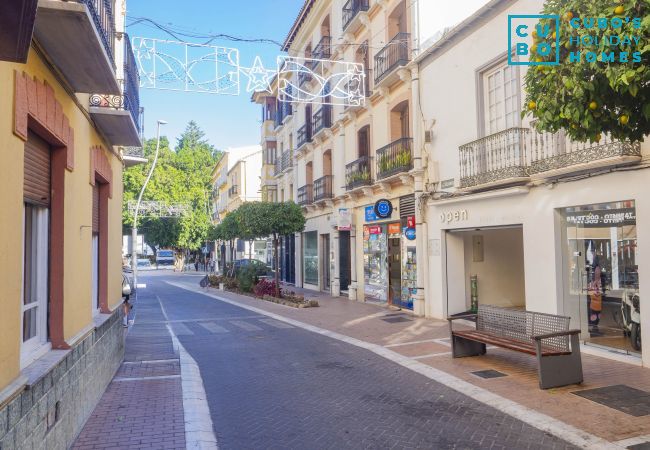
x=134 y=230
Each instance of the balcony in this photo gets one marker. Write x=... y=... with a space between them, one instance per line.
x=322 y=119
x=304 y=135
x=395 y=158
x=133 y=155
x=554 y=154
x=284 y=111
x=79 y=38
x=323 y=188
x=394 y=55
x=357 y=173
x=306 y=195
x=304 y=77
x=233 y=190
x=283 y=163
x=351 y=18
x=323 y=50
x=495 y=160
x=118 y=116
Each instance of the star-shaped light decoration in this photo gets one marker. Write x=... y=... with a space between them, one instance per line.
x=258 y=77
x=356 y=85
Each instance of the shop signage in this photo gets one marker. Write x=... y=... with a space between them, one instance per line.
x=410 y=221
x=383 y=208
x=374 y=229
x=454 y=216
x=410 y=234
x=602 y=218
x=345 y=220
x=394 y=230
x=370 y=214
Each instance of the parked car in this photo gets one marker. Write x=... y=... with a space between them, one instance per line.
x=126 y=287
x=144 y=264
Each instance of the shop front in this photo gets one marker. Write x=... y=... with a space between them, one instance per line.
x=389 y=259
x=574 y=250
x=601 y=292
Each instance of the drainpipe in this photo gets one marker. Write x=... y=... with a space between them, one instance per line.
x=419 y=176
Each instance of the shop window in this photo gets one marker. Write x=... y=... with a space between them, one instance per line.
x=601 y=292
x=310 y=257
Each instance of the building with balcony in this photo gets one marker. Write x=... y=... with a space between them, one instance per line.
x=235 y=180
x=337 y=161
x=63 y=157
x=518 y=216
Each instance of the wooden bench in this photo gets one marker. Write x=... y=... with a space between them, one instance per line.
x=545 y=336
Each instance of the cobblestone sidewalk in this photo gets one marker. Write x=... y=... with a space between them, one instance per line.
x=143 y=406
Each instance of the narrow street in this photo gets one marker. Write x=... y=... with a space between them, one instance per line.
x=272 y=385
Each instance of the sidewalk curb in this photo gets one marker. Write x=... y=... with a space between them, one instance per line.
x=199 y=430
x=536 y=419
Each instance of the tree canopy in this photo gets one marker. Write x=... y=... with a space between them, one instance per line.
x=182 y=175
x=607 y=91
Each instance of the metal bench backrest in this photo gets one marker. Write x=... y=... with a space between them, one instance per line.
x=523 y=325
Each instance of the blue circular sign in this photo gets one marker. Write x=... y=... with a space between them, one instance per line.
x=410 y=234
x=383 y=208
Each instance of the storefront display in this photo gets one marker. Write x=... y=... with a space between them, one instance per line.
x=409 y=274
x=602 y=287
x=375 y=254
x=310 y=257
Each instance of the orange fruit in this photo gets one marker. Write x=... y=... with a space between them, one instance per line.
x=619 y=10
x=532 y=105
x=593 y=106
x=624 y=119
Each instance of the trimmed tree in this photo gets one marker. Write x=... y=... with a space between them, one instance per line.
x=263 y=219
x=585 y=97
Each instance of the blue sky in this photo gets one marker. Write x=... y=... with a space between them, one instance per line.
x=229 y=121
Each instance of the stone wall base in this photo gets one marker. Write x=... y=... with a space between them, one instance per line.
x=50 y=411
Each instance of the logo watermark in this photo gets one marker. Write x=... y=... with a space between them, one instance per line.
x=521 y=27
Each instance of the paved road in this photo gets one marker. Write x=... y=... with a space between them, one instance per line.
x=272 y=385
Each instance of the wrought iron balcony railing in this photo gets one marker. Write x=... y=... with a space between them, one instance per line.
x=286 y=160
x=233 y=190
x=394 y=54
x=323 y=50
x=322 y=119
x=496 y=158
x=284 y=110
x=130 y=86
x=304 y=77
x=352 y=8
x=304 y=134
x=101 y=12
x=357 y=173
x=305 y=195
x=394 y=158
x=323 y=188
x=557 y=152
x=133 y=152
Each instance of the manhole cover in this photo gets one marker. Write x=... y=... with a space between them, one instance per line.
x=396 y=319
x=489 y=374
x=629 y=400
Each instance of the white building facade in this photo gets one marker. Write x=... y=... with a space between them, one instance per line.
x=519 y=218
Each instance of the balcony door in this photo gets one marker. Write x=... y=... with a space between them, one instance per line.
x=501 y=112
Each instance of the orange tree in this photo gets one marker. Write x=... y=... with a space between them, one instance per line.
x=589 y=98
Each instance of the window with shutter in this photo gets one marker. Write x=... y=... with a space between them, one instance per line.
x=37 y=168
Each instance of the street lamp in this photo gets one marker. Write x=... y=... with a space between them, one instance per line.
x=134 y=230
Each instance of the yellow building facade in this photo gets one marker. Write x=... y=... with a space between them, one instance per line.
x=62 y=137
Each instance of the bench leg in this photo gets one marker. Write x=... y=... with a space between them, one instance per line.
x=461 y=347
x=560 y=370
